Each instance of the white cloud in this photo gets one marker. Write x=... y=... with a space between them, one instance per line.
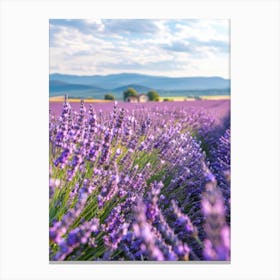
x=203 y=30
x=91 y=47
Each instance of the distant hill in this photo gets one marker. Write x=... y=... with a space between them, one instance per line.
x=61 y=86
x=112 y=81
x=96 y=86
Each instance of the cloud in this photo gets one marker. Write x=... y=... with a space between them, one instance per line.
x=179 y=46
x=218 y=46
x=203 y=30
x=197 y=48
x=174 y=47
x=84 y=26
x=99 y=27
x=130 y=26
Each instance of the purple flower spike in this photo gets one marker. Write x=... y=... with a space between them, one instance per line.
x=216 y=244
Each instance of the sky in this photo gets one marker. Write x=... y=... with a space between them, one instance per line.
x=173 y=47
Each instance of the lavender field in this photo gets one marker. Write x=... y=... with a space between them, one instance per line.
x=139 y=182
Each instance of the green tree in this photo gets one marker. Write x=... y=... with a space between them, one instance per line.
x=129 y=92
x=153 y=95
x=109 y=96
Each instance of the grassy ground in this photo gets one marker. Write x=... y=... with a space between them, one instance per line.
x=182 y=98
x=61 y=99
x=172 y=98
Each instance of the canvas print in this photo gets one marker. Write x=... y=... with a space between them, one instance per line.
x=139 y=140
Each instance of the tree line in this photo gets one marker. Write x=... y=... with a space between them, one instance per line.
x=152 y=95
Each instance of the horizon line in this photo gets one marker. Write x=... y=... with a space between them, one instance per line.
x=134 y=73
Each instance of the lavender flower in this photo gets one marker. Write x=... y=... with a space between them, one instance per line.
x=127 y=181
x=216 y=244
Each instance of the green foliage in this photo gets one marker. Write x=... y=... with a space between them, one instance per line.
x=109 y=96
x=153 y=95
x=129 y=92
x=168 y=99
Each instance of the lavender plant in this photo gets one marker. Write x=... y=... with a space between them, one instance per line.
x=131 y=182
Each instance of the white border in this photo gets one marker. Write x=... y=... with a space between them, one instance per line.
x=255 y=138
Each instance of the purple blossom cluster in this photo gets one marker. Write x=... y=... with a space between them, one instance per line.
x=220 y=165
x=139 y=183
x=217 y=242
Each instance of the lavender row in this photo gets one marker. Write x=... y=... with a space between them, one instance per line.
x=131 y=183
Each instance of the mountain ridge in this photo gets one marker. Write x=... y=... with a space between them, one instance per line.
x=112 y=81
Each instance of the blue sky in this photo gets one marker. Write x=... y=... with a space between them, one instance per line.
x=177 y=48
